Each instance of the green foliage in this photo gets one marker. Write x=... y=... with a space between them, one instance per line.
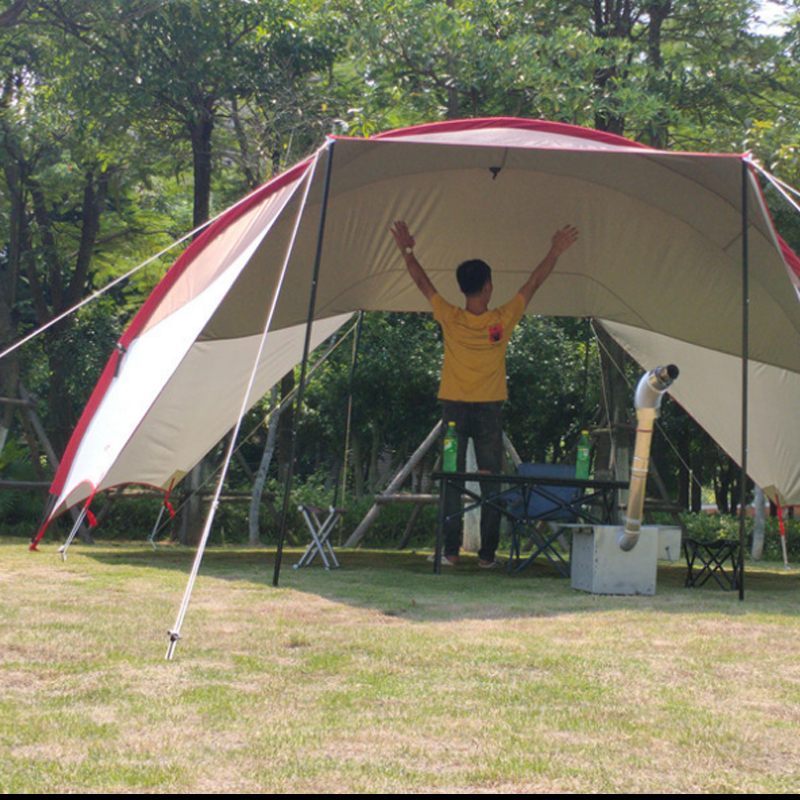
x=20 y=509
x=709 y=527
x=13 y=458
x=385 y=531
x=772 y=539
x=250 y=75
x=552 y=382
x=688 y=458
x=692 y=75
x=129 y=518
x=394 y=395
x=473 y=58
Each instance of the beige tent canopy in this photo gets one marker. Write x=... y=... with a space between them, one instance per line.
x=678 y=259
x=659 y=263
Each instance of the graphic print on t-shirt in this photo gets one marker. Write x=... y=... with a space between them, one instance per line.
x=496 y=333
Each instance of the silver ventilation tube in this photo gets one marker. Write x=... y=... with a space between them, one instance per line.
x=648 y=404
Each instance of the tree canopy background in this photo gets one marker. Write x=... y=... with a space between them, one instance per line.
x=125 y=124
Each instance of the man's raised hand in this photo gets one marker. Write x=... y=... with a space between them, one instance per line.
x=405 y=241
x=564 y=238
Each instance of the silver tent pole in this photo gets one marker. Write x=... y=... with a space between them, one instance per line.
x=306 y=348
x=175 y=632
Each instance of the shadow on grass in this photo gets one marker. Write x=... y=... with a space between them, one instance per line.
x=402 y=584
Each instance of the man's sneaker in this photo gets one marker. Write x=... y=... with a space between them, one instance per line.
x=493 y=564
x=445 y=561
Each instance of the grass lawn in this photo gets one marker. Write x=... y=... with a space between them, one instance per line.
x=382 y=677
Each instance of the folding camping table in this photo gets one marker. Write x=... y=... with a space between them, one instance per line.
x=320 y=535
x=591 y=502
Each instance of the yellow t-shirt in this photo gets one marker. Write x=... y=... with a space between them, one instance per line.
x=474 y=367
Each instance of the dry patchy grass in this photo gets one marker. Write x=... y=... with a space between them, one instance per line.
x=382 y=677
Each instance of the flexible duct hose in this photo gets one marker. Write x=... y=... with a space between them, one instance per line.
x=649 y=392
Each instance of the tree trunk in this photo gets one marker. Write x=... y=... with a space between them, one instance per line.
x=249 y=164
x=12 y=16
x=9 y=276
x=725 y=488
x=721 y=494
x=612 y=20
x=760 y=524
x=191 y=517
x=696 y=491
x=61 y=419
x=53 y=297
x=261 y=475
x=658 y=12
x=452 y=90
x=285 y=425
x=358 y=467
x=613 y=449
x=9 y=366
x=200 y=131
x=684 y=470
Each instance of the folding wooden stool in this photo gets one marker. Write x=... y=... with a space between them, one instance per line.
x=320 y=535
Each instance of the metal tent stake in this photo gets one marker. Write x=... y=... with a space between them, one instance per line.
x=75 y=528
x=156 y=526
x=174 y=636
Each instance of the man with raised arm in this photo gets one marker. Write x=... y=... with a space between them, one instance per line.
x=473 y=381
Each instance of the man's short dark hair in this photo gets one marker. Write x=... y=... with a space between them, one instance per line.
x=472 y=276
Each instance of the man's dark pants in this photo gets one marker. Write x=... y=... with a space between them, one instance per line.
x=481 y=422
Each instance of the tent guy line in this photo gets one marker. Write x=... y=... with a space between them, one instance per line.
x=783 y=188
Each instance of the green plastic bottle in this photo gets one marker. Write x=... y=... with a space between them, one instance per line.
x=450 y=456
x=582 y=465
